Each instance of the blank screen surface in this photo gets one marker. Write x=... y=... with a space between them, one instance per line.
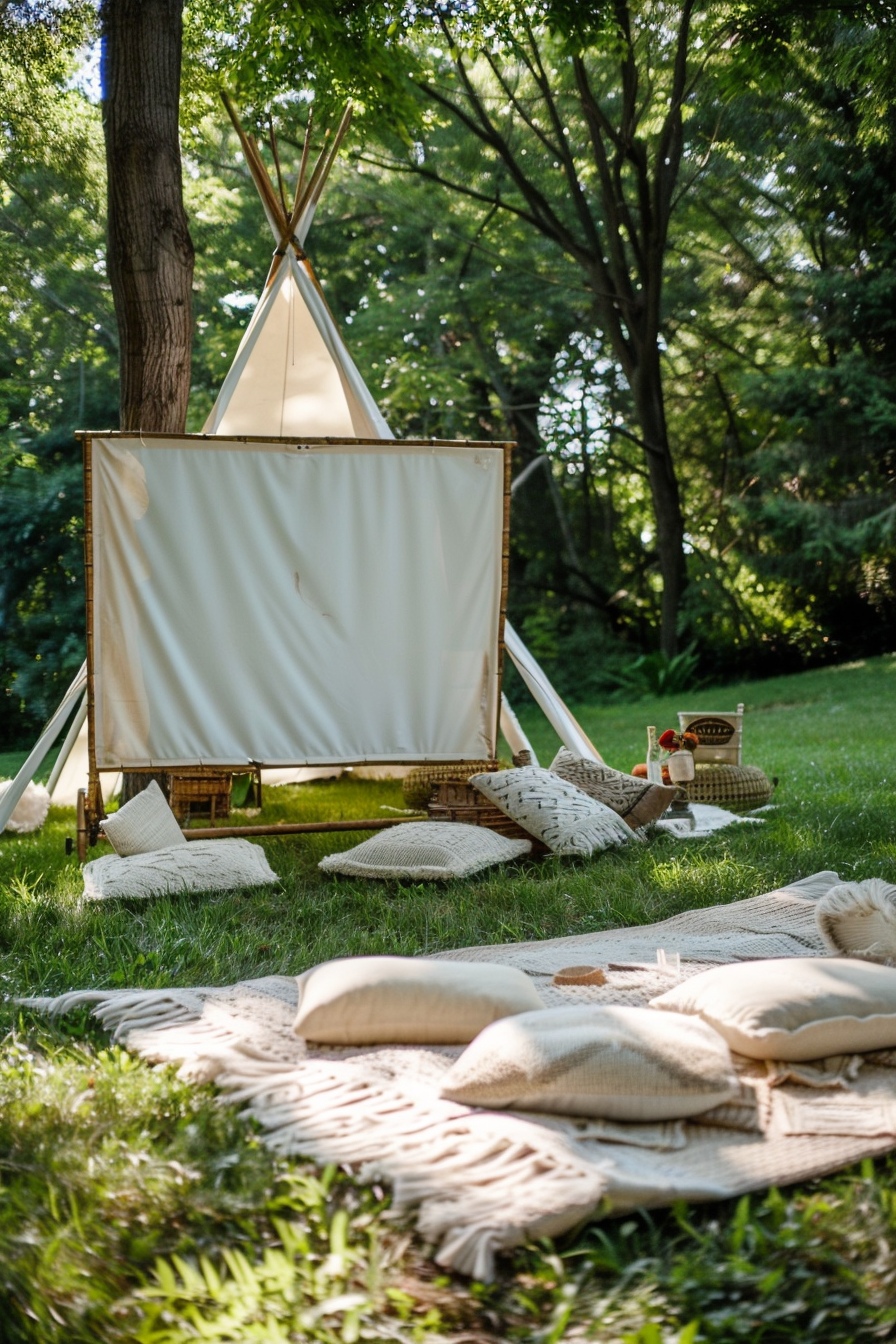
x=294 y=604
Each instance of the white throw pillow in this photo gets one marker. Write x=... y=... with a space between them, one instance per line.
x=611 y=1062
x=565 y=818
x=859 y=918
x=200 y=865
x=144 y=824
x=794 y=1008
x=407 y=1000
x=637 y=801
x=426 y=851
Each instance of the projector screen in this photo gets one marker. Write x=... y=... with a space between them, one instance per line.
x=290 y=603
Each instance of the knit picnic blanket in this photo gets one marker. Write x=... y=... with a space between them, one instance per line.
x=483 y=1181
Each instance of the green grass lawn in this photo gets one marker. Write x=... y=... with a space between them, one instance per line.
x=133 y=1207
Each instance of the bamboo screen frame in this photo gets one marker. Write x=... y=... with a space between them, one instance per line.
x=93 y=805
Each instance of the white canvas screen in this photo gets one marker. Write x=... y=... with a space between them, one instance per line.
x=294 y=605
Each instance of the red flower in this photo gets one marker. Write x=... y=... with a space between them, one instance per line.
x=669 y=740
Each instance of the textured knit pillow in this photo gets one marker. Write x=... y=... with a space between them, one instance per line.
x=794 y=1008
x=859 y=918
x=426 y=851
x=201 y=865
x=611 y=1062
x=637 y=801
x=407 y=1001
x=565 y=818
x=144 y=824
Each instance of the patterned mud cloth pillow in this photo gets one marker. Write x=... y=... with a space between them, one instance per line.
x=565 y=818
x=637 y=801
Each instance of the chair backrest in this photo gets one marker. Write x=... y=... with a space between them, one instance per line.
x=720 y=736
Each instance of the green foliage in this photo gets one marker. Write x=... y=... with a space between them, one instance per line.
x=467 y=320
x=658 y=674
x=57 y=355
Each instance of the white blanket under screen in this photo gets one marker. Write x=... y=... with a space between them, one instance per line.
x=481 y=1180
x=293 y=604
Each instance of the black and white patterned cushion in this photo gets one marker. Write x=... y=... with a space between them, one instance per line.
x=638 y=801
x=565 y=818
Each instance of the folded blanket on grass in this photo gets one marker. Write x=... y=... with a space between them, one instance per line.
x=484 y=1181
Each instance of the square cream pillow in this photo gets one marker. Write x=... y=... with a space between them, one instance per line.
x=565 y=818
x=611 y=1062
x=794 y=1008
x=144 y=824
x=426 y=851
x=637 y=801
x=407 y=1000
x=200 y=865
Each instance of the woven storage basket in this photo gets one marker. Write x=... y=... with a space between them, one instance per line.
x=199 y=794
x=453 y=800
x=417 y=784
x=736 y=787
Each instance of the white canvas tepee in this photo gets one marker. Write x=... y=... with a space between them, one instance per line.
x=292 y=376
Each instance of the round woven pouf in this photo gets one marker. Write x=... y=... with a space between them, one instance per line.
x=417 y=783
x=735 y=787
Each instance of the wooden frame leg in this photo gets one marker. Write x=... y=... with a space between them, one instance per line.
x=81 y=833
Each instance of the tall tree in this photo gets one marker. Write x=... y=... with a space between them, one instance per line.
x=150 y=253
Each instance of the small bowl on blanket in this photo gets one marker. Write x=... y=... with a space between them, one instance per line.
x=580 y=975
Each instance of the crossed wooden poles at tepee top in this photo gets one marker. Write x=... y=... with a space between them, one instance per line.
x=289 y=227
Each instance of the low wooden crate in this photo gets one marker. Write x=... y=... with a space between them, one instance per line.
x=197 y=793
x=452 y=800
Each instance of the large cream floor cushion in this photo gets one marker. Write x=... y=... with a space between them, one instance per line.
x=794 y=1009
x=407 y=1000
x=616 y=1063
x=553 y=810
x=426 y=851
x=201 y=865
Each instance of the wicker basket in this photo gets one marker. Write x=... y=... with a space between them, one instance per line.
x=418 y=783
x=453 y=800
x=198 y=793
x=735 y=787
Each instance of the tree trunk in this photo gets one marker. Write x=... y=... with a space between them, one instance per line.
x=150 y=253
x=647 y=392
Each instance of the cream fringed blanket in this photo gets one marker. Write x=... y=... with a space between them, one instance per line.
x=484 y=1181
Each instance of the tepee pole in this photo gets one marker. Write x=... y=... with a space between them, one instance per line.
x=304 y=164
x=344 y=124
x=273 y=143
x=256 y=167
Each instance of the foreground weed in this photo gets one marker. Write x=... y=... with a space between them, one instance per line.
x=323 y=1282
x=814 y=1266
